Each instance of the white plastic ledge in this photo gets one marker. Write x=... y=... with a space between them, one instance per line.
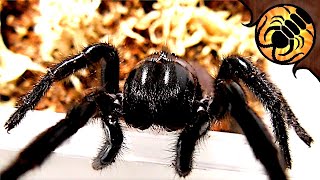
x=146 y=155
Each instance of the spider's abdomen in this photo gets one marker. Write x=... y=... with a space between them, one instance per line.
x=161 y=90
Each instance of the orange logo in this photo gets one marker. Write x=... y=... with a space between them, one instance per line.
x=285 y=34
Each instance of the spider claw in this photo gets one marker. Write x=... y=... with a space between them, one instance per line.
x=12 y=122
x=183 y=172
x=8 y=127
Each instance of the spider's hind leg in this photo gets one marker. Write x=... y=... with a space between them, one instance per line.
x=91 y=54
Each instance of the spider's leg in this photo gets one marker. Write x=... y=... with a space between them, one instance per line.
x=112 y=131
x=238 y=68
x=43 y=145
x=302 y=39
x=276 y=21
x=290 y=49
x=298 y=43
x=274 y=17
x=188 y=139
x=254 y=130
x=275 y=28
x=292 y=120
x=91 y=54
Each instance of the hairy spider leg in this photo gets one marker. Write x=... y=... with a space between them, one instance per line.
x=43 y=145
x=255 y=131
x=236 y=68
x=90 y=55
x=292 y=120
x=188 y=139
x=109 y=115
x=113 y=135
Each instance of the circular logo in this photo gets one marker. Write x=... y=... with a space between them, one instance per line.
x=285 y=34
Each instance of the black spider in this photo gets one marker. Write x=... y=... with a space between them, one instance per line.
x=162 y=90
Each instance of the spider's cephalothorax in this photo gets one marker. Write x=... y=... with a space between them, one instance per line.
x=162 y=90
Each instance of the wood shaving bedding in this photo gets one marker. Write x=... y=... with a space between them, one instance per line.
x=188 y=28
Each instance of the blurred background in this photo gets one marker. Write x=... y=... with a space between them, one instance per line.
x=37 y=34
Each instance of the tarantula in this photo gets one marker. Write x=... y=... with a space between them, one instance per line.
x=163 y=90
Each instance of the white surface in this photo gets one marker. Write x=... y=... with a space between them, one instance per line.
x=146 y=155
x=149 y=156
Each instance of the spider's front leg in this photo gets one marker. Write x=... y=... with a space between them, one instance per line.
x=91 y=54
x=43 y=145
x=36 y=152
x=238 y=69
x=253 y=128
x=112 y=131
x=188 y=139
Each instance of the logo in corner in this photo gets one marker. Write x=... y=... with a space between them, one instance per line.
x=285 y=34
